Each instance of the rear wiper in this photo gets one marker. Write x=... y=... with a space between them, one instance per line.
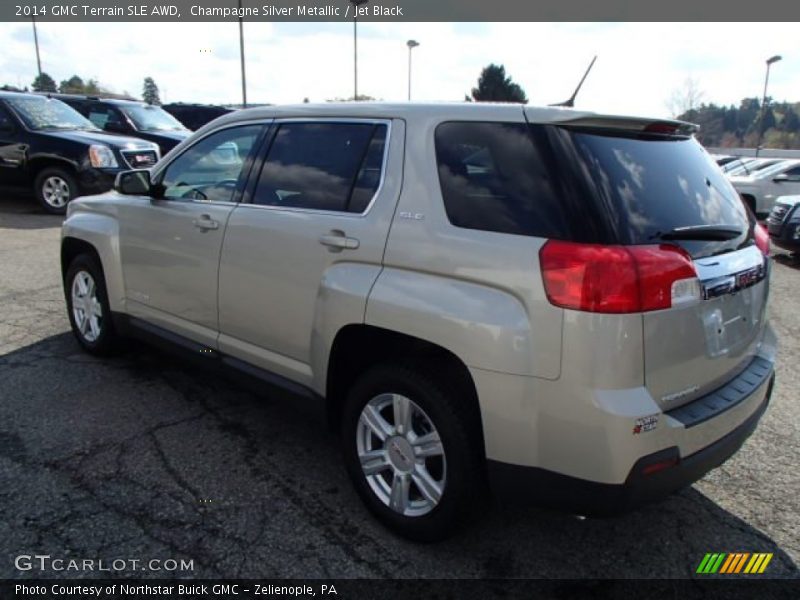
x=700 y=232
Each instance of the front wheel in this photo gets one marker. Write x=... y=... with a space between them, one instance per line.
x=88 y=308
x=413 y=451
x=54 y=188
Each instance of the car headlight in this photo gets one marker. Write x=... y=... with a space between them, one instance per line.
x=102 y=156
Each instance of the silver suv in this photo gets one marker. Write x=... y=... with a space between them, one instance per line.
x=552 y=299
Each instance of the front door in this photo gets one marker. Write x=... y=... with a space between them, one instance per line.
x=170 y=244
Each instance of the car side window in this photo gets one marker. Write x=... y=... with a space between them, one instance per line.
x=210 y=169
x=494 y=177
x=6 y=124
x=793 y=174
x=323 y=166
x=99 y=115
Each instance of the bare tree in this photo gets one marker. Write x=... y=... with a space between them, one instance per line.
x=685 y=98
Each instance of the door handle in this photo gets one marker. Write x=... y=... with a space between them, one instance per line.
x=337 y=241
x=205 y=222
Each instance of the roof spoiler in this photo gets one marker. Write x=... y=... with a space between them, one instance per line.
x=634 y=125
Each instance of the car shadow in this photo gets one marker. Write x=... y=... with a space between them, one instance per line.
x=19 y=210
x=143 y=455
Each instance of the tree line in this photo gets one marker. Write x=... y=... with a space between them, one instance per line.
x=89 y=87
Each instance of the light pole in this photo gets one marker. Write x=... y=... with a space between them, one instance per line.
x=770 y=61
x=241 y=57
x=411 y=45
x=356 y=4
x=36 y=43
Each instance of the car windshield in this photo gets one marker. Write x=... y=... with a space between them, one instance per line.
x=775 y=169
x=48 y=113
x=152 y=118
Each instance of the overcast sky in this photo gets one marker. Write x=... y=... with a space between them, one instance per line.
x=639 y=65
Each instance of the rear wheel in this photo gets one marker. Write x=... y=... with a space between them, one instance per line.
x=412 y=451
x=88 y=308
x=54 y=188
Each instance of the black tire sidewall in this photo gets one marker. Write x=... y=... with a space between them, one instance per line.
x=457 y=439
x=39 y=192
x=106 y=342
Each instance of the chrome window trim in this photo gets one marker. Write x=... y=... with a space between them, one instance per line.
x=158 y=169
x=340 y=213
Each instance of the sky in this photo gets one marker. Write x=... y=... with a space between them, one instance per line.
x=639 y=65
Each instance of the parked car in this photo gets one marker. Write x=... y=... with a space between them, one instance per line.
x=49 y=147
x=753 y=166
x=760 y=189
x=568 y=303
x=130 y=117
x=783 y=223
x=738 y=163
x=194 y=116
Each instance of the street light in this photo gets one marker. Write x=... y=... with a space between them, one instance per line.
x=356 y=4
x=411 y=45
x=770 y=61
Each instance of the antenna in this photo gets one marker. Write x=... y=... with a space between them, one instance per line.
x=571 y=101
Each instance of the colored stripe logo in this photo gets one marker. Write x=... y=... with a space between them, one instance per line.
x=734 y=563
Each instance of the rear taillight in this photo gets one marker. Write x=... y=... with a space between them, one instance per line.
x=617 y=279
x=762 y=238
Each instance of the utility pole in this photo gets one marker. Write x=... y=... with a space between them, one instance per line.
x=36 y=43
x=241 y=57
x=356 y=4
x=411 y=45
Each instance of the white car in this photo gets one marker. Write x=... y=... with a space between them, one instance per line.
x=760 y=189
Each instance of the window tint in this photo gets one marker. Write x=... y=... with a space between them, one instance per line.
x=651 y=186
x=495 y=177
x=210 y=169
x=6 y=124
x=101 y=115
x=323 y=166
x=793 y=174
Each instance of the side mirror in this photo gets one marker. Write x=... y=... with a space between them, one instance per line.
x=115 y=127
x=780 y=178
x=133 y=183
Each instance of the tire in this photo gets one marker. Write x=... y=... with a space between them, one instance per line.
x=54 y=187
x=88 y=308
x=454 y=479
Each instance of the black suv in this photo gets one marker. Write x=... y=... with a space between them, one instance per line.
x=194 y=116
x=47 y=144
x=130 y=117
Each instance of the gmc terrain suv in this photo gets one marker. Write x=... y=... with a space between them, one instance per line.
x=570 y=302
x=46 y=145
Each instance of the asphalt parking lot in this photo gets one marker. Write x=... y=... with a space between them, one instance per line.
x=145 y=457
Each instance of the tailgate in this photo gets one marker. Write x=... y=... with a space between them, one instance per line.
x=692 y=350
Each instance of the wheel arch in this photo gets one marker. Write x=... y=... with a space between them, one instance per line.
x=96 y=235
x=358 y=347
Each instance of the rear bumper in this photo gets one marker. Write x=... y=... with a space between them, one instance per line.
x=651 y=478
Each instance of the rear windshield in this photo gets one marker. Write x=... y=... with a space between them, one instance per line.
x=650 y=187
x=584 y=186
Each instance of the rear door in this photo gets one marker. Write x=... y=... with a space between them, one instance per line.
x=316 y=224
x=652 y=186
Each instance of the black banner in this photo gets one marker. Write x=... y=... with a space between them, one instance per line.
x=363 y=589
x=399 y=10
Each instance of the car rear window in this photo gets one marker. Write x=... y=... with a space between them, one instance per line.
x=582 y=185
x=649 y=186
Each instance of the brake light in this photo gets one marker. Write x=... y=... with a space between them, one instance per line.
x=762 y=238
x=617 y=279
